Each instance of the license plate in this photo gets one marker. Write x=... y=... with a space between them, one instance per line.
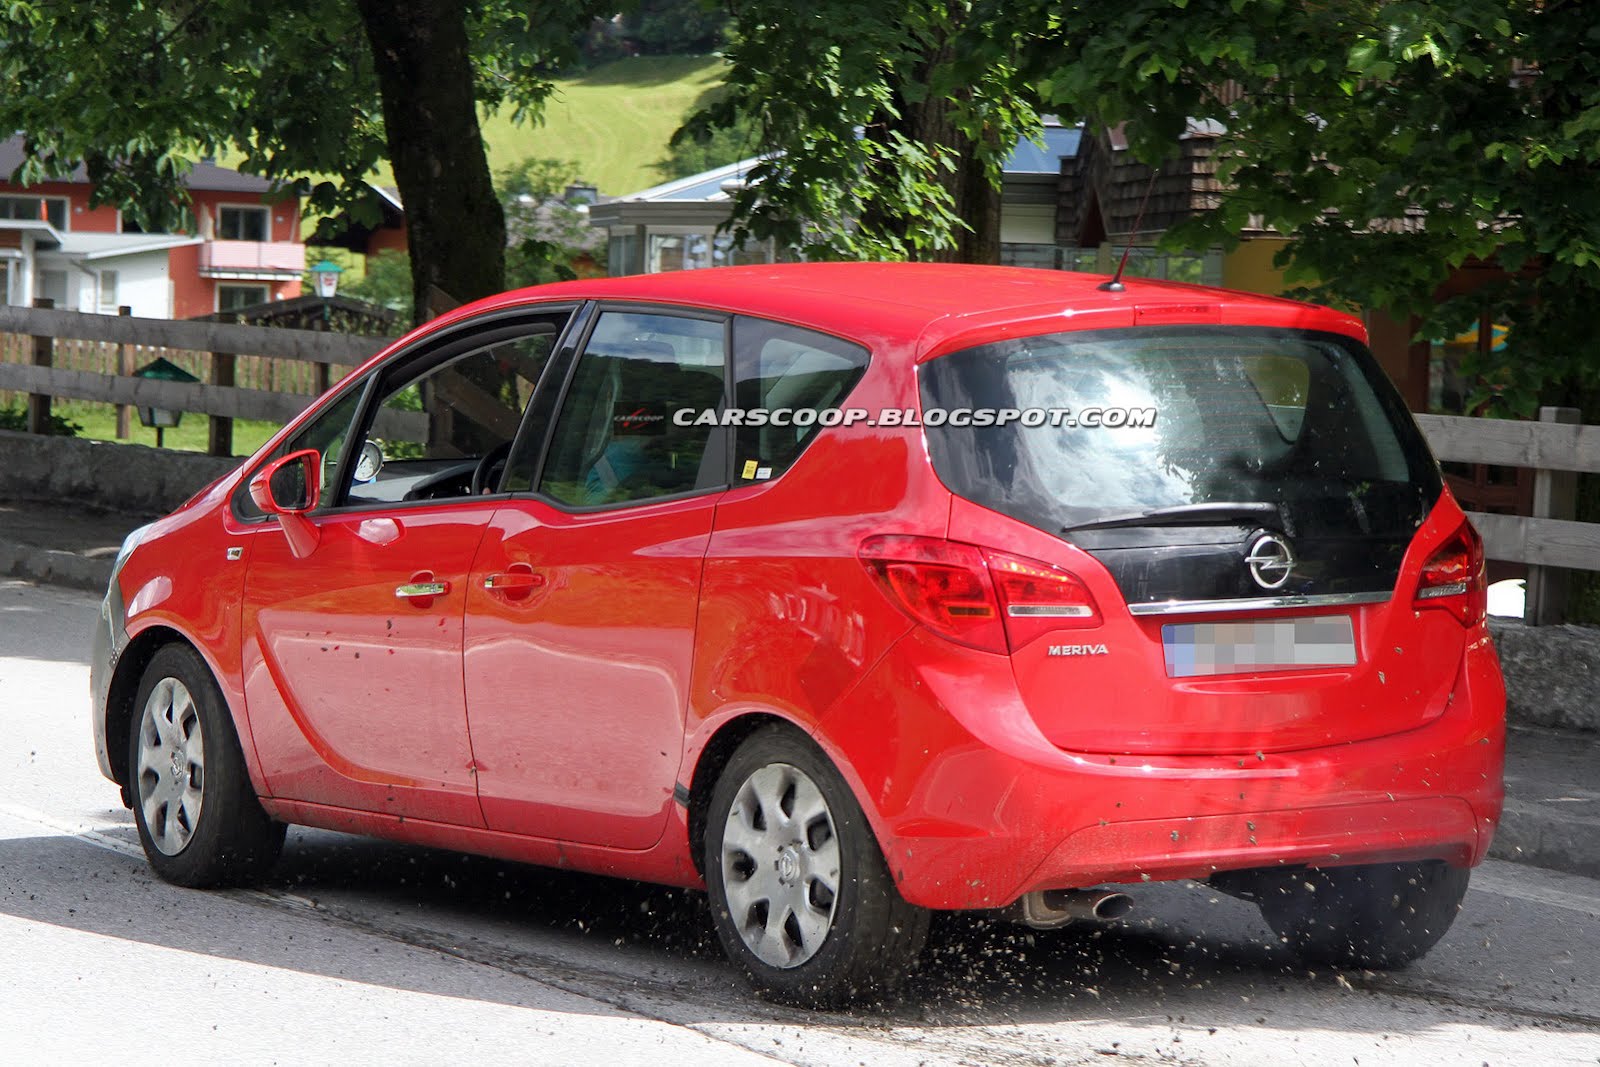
x=1208 y=648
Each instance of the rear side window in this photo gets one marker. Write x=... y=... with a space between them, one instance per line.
x=1142 y=419
x=785 y=378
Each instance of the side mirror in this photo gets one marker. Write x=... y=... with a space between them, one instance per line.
x=288 y=488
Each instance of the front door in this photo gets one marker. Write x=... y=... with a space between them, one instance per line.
x=352 y=651
x=352 y=661
x=581 y=612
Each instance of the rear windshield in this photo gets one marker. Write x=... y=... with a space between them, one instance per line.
x=1140 y=419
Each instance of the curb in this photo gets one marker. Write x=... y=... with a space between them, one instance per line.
x=1530 y=832
x=54 y=566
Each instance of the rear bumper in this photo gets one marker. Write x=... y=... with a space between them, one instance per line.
x=974 y=807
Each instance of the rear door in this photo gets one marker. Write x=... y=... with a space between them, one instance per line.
x=582 y=604
x=1241 y=499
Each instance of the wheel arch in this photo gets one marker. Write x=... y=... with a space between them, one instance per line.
x=124 y=687
x=719 y=749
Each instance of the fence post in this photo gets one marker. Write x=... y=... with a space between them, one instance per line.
x=322 y=374
x=1555 y=496
x=43 y=356
x=222 y=373
x=125 y=369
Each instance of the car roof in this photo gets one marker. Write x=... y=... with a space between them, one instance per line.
x=938 y=306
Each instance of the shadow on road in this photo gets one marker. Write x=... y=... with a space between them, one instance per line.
x=650 y=949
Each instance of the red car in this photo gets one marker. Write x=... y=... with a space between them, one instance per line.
x=848 y=592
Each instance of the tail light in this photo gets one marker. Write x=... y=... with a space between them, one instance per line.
x=977 y=597
x=1453 y=577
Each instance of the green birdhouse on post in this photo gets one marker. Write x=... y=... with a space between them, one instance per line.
x=160 y=419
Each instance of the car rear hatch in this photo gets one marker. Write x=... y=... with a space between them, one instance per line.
x=1248 y=512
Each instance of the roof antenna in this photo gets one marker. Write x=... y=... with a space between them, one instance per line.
x=1114 y=283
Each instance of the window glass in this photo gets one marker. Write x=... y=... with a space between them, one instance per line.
x=327 y=434
x=108 y=290
x=51 y=209
x=233 y=297
x=1170 y=416
x=435 y=433
x=242 y=224
x=781 y=370
x=615 y=438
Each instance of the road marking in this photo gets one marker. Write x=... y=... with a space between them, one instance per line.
x=99 y=838
x=88 y=835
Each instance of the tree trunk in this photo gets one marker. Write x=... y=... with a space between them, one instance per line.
x=454 y=222
x=931 y=121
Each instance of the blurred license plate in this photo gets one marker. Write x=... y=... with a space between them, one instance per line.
x=1205 y=648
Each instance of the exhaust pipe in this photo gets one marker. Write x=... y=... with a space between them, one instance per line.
x=1048 y=909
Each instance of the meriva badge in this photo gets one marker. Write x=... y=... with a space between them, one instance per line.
x=1077 y=650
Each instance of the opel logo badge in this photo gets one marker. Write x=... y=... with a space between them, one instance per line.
x=1270 y=560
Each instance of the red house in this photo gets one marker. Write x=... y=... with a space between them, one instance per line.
x=247 y=248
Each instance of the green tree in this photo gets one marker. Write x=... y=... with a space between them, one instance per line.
x=675 y=27
x=137 y=89
x=706 y=147
x=550 y=239
x=386 y=281
x=1392 y=142
x=887 y=124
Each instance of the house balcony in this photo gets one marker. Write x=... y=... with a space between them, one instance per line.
x=252 y=260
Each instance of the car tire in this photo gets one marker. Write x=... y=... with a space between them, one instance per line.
x=1378 y=917
x=801 y=897
x=197 y=813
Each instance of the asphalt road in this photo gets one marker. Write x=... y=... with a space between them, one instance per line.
x=361 y=951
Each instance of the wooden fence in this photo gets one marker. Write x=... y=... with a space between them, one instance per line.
x=267 y=373
x=1557 y=449
x=244 y=372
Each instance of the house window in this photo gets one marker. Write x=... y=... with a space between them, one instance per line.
x=242 y=224
x=128 y=224
x=234 y=297
x=108 y=290
x=51 y=209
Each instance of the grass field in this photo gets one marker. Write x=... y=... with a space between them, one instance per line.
x=612 y=122
x=99 y=422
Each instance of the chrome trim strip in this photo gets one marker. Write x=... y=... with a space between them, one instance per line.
x=1265 y=603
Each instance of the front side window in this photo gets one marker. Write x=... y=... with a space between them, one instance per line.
x=616 y=440
x=327 y=434
x=446 y=432
x=242 y=224
x=440 y=428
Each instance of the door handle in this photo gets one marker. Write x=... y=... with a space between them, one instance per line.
x=516 y=582
x=421 y=589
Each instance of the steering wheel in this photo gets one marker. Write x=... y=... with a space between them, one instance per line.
x=483 y=475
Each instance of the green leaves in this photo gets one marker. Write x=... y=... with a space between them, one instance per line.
x=892 y=120
x=1392 y=142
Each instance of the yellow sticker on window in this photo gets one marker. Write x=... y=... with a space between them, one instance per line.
x=750 y=466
